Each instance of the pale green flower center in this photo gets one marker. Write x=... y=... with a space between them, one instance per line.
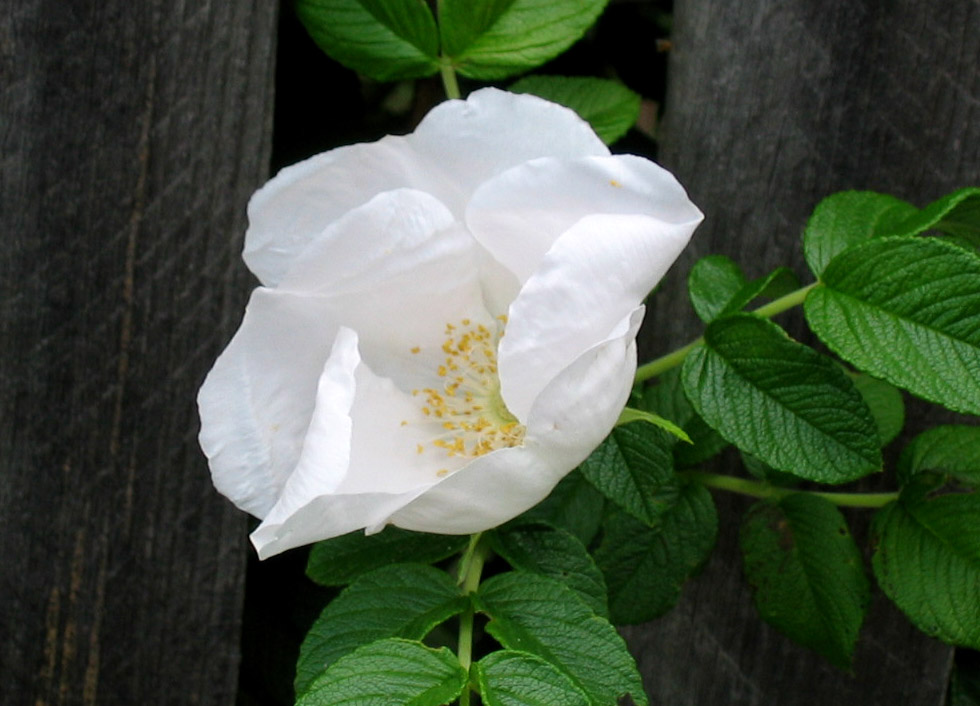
x=468 y=407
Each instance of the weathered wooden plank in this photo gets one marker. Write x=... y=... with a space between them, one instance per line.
x=132 y=135
x=771 y=106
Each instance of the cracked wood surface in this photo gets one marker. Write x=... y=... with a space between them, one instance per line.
x=131 y=137
x=771 y=106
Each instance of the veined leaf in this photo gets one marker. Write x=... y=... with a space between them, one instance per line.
x=712 y=284
x=907 y=310
x=781 y=401
x=536 y=614
x=953 y=450
x=512 y=678
x=609 y=107
x=957 y=213
x=807 y=573
x=386 y=672
x=499 y=38
x=574 y=505
x=629 y=415
x=667 y=398
x=927 y=560
x=885 y=403
x=400 y=600
x=383 y=39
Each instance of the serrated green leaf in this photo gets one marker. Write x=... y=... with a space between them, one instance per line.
x=885 y=403
x=953 y=450
x=957 y=213
x=777 y=283
x=712 y=284
x=927 y=560
x=633 y=467
x=667 y=398
x=848 y=218
x=629 y=415
x=499 y=38
x=386 y=672
x=338 y=561
x=907 y=310
x=536 y=614
x=645 y=567
x=553 y=552
x=574 y=505
x=608 y=106
x=384 y=39
x=781 y=401
x=512 y=678
x=807 y=573
x=400 y=600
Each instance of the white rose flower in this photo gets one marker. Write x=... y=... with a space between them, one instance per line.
x=446 y=323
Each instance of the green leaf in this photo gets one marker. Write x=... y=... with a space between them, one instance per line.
x=536 y=614
x=927 y=560
x=495 y=39
x=712 y=284
x=906 y=310
x=807 y=573
x=384 y=39
x=400 y=600
x=885 y=403
x=667 y=397
x=777 y=283
x=638 y=415
x=848 y=218
x=957 y=213
x=338 y=561
x=608 y=106
x=389 y=672
x=556 y=553
x=645 y=567
x=633 y=467
x=512 y=678
x=781 y=401
x=953 y=450
x=574 y=505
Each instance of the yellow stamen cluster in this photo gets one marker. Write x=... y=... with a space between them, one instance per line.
x=468 y=409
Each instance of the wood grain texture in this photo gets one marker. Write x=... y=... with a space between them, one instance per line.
x=132 y=134
x=771 y=106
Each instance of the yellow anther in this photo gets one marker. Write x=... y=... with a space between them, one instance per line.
x=415 y=349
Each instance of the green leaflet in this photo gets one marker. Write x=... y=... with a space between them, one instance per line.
x=645 y=567
x=609 y=107
x=574 y=505
x=927 y=560
x=400 y=600
x=848 y=218
x=667 y=398
x=885 y=403
x=386 y=672
x=957 y=213
x=384 y=39
x=780 y=401
x=807 y=573
x=638 y=415
x=718 y=287
x=499 y=38
x=512 y=678
x=539 y=615
x=907 y=310
x=953 y=449
x=553 y=552
x=338 y=561
x=633 y=467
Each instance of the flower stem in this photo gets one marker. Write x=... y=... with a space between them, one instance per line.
x=756 y=489
x=674 y=358
x=449 y=82
x=470 y=569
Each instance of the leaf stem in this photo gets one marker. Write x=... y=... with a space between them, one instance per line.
x=470 y=570
x=757 y=489
x=449 y=82
x=664 y=363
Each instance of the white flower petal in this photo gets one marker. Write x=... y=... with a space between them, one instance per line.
x=594 y=275
x=571 y=417
x=521 y=213
x=258 y=398
x=456 y=147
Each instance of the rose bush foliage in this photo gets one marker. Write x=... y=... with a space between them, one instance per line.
x=445 y=325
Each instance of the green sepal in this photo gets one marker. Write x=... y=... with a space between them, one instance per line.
x=781 y=401
x=608 y=106
x=391 y=671
x=400 y=600
x=807 y=573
